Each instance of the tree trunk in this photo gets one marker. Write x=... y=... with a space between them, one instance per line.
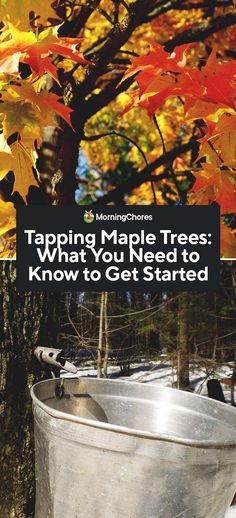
x=215 y=328
x=100 y=337
x=182 y=342
x=106 y=336
x=26 y=319
x=233 y=382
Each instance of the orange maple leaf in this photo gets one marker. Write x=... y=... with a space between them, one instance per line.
x=215 y=184
x=227 y=242
x=161 y=75
x=44 y=100
x=37 y=51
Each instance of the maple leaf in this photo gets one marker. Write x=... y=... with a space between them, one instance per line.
x=223 y=136
x=37 y=51
x=156 y=74
x=200 y=109
x=22 y=163
x=21 y=117
x=215 y=184
x=218 y=142
x=7 y=223
x=50 y=102
x=161 y=75
x=149 y=67
x=7 y=216
x=227 y=242
x=21 y=9
x=48 y=43
x=27 y=112
x=8 y=246
x=217 y=81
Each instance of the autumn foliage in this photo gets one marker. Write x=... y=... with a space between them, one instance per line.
x=144 y=90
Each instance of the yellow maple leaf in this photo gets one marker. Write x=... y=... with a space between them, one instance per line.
x=7 y=216
x=7 y=223
x=22 y=163
x=27 y=112
x=219 y=142
x=24 y=118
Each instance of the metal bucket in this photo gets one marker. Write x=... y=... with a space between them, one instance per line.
x=115 y=449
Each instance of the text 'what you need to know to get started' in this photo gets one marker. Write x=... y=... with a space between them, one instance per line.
x=102 y=255
x=127 y=257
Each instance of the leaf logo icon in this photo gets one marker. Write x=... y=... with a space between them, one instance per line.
x=88 y=216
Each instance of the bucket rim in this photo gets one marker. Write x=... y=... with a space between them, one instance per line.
x=58 y=414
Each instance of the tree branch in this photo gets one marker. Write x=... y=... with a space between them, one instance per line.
x=117 y=134
x=72 y=28
x=202 y=31
x=203 y=5
x=182 y=6
x=116 y=38
x=108 y=94
x=114 y=133
x=145 y=175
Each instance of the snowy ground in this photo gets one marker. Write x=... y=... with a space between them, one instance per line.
x=163 y=374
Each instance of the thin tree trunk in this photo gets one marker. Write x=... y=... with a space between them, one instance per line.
x=106 y=336
x=182 y=342
x=100 y=337
x=215 y=329
x=233 y=382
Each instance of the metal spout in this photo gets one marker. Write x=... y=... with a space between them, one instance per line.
x=54 y=358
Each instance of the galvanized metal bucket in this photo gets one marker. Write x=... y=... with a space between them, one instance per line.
x=115 y=449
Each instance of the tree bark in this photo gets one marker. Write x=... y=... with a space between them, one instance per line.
x=100 y=337
x=182 y=342
x=26 y=319
x=215 y=328
x=106 y=336
x=233 y=381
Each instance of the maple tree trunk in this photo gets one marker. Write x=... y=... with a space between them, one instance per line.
x=58 y=162
x=70 y=152
x=25 y=320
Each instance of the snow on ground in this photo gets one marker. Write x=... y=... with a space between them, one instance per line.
x=162 y=373
x=231 y=513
